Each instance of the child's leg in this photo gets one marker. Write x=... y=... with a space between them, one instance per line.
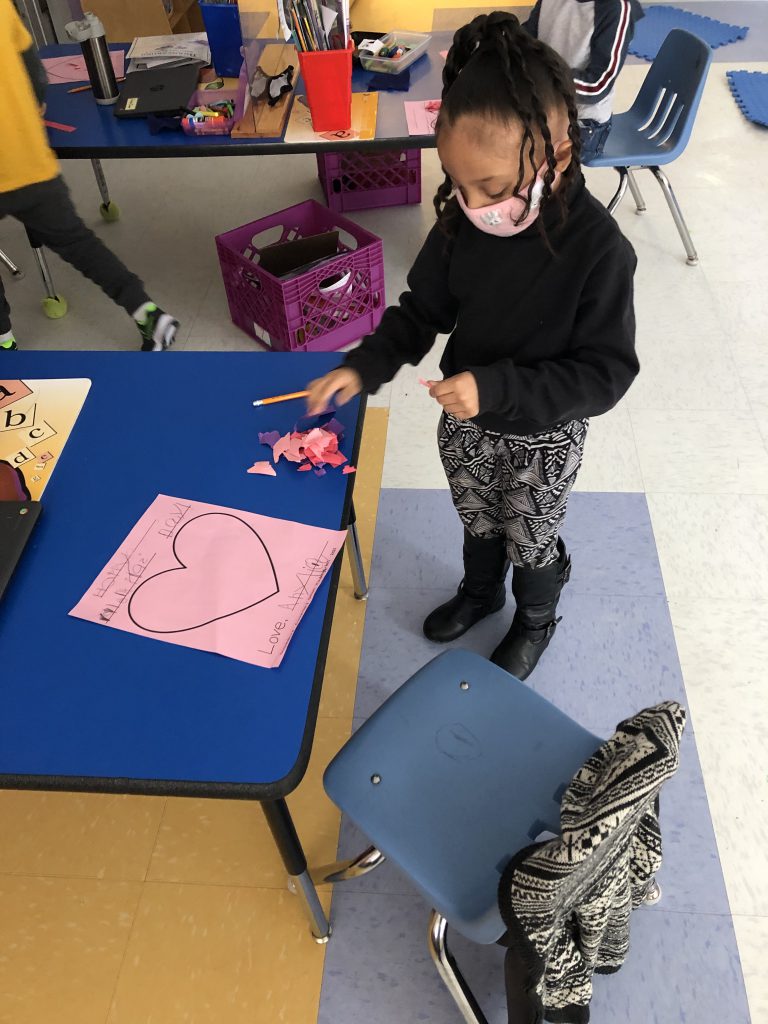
x=538 y=476
x=47 y=212
x=469 y=461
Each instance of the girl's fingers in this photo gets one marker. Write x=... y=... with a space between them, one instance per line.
x=347 y=394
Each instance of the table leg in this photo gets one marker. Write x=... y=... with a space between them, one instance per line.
x=284 y=833
x=8 y=263
x=109 y=210
x=356 y=558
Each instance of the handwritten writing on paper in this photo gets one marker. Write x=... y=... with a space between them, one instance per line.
x=212 y=578
x=421 y=116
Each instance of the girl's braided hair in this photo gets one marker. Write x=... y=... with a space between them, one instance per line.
x=495 y=69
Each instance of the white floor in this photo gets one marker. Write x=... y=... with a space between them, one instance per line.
x=692 y=434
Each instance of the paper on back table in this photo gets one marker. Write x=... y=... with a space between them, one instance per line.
x=72 y=68
x=213 y=578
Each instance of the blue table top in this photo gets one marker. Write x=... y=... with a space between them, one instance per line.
x=85 y=707
x=101 y=135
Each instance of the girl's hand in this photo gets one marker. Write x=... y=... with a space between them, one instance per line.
x=458 y=395
x=344 y=383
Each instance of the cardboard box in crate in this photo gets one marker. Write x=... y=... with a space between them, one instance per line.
x=362 y=181
x=322 y=309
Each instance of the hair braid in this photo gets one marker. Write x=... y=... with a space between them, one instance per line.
x=505 y=74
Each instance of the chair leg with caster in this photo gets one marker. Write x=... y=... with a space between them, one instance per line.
x=692 y=257
x=448 y=970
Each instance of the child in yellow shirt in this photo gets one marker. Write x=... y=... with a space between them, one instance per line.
x=33 y=191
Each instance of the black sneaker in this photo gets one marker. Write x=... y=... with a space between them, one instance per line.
x=158 y=330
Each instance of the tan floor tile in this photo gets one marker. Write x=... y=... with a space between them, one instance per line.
x=227 y=842
x=62 y=943
x=78 y=835
x=217 y=955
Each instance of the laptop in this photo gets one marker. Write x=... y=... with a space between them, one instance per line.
x=165 y=92
x=17 y=521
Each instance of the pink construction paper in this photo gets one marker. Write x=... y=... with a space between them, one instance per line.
x=443 y=54
x=424 y=383
x=263 y=468
x=213 y=578
x=349 y=469
x=70 y=69
x=421 y=116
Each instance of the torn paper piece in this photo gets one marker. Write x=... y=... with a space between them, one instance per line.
x=349 y=469
x=264 y=468
x=270 y=437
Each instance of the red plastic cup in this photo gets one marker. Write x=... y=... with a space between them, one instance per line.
x=327 y=78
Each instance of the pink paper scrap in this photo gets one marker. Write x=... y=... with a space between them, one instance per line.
x=444 y=54
x=212 y=578
x=421 y=116
x=71 y=69
x=349 y=469
x=424 y=383
x=264 y=468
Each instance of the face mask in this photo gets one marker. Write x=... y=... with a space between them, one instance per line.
x=502 y=218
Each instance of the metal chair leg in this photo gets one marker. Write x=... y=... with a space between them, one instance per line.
x=621 y=190
x=448 y=970
x=634 y=188
x=344 y=870
x=677 y=216
x=652 y=893
x=8 y=263
x=356 y=558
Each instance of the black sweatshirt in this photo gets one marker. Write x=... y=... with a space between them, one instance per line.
x=549 y=337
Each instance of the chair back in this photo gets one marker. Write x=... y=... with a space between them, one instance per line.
x=665 y=108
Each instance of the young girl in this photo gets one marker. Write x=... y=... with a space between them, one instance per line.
x=533 y=280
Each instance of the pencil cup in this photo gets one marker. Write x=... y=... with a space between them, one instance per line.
x=327 y=78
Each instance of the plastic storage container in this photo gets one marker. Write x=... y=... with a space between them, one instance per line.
x=361 y=181
x=320 y=310
x=225 y=38
x=416 y=45
x=202 y=97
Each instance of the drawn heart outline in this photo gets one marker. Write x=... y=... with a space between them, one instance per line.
x=268 y=587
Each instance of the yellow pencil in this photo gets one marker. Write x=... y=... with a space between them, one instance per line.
x=281 y=398
x=85 y=88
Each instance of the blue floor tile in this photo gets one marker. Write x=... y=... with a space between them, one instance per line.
x=618 y=557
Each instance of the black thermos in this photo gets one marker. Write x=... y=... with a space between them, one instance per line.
x=90 y=34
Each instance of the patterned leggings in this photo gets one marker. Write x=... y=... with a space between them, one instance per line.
x=504 y=485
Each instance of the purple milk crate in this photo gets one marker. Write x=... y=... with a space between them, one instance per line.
x=362 y=181
x=320 y=310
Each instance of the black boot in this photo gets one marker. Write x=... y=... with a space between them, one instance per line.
x=537 y=592
x=480 y=593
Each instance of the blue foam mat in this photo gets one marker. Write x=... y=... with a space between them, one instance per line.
x=660 y=19
x=750 y=90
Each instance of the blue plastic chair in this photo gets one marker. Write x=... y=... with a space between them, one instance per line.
x=656 y=129
x=457 y=771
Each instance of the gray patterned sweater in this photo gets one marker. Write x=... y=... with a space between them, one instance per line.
x=567 y=902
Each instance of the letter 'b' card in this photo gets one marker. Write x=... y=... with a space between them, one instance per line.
x=213 y=578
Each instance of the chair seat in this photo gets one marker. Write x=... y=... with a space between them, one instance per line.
x=421 y=779
x=628 y=146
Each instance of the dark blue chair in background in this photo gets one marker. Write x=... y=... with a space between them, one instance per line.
x=656 y=129
x=457 y=771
